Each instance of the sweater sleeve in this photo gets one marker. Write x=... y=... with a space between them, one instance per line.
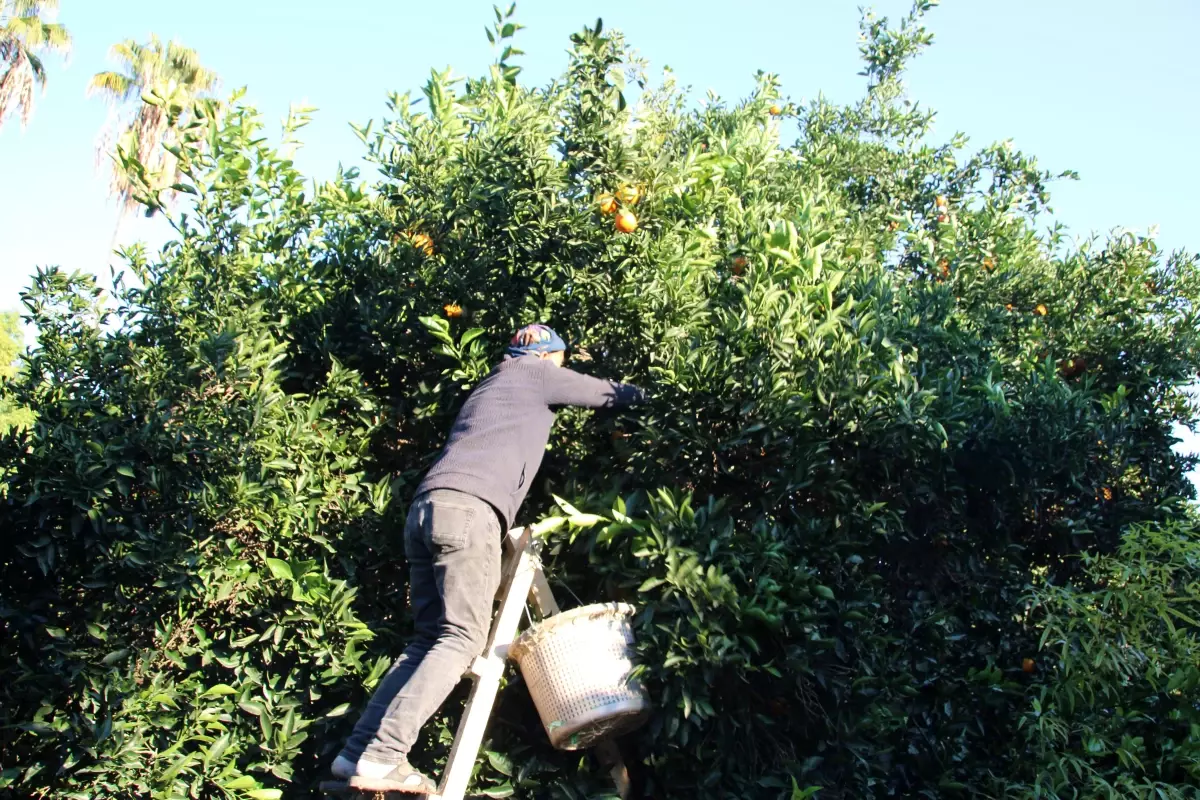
x=565 y=387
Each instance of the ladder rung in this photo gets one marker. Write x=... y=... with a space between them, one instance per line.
x=484 y=666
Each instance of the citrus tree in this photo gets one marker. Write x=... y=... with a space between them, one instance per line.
x=902 y=518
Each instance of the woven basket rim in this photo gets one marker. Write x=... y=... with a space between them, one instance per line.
x=531 y=638
x=627 y=715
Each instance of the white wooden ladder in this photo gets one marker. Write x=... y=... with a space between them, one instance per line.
x=521 y=579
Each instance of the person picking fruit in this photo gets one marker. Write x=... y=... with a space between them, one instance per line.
x=452 y=539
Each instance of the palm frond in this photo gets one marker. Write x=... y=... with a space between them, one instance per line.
x=25 y=30
x=28 y=8
x=56 y=37
x=126 y=52
x=118 y=87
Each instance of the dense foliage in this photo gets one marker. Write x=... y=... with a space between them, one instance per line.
x=902 y=519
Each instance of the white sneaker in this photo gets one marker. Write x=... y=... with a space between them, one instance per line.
x=401 y=779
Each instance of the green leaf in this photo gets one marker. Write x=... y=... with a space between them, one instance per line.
x=548 y=525
x=824 y=591
x=585 y=520
x=501 y=763
x=127 y=471
x=279 y=569
x=252 y=707
x=503 y=790
x=651 y=583
x=219 y=690
x=567 y=507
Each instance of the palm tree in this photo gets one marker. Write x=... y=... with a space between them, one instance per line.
x=23 y=34
x=157 y=86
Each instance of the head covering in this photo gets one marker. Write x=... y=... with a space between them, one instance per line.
x=535 y=339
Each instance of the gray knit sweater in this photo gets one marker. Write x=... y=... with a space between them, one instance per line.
x=500 y=435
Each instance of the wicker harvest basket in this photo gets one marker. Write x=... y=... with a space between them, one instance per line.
x=577 y=667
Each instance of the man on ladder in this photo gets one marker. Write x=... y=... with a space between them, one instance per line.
x=452 y=539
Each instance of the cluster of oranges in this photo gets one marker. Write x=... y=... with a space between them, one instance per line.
x=618 y=204
x=1040 y=309
x=421 y=241
x=943 y=206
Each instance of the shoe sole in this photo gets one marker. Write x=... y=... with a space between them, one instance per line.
x=360 y=783
x=344 y=788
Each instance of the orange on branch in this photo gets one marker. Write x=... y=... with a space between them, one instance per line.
x=422 y=242
x=625 y=221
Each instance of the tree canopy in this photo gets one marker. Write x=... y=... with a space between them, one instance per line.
x=902 y=518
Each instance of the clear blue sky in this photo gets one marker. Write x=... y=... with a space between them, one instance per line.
x=1104 y=87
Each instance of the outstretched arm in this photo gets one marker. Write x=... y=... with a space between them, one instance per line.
x=565 y=387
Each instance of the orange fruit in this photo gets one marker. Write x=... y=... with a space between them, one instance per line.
x=775 y=110
x=941 y=201
x=453 y=310
x=893 y=226
x=1008 y=306
x=739 y=265
x=625 y=221
x=944 y=268
x=629 y=195
x=1107 y=493
x=942 y=218
x=422 y=242
x=1041 y=310
x=989 y=264
x=608 y=203
x=1027 y=665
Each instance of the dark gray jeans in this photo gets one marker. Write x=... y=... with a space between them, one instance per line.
x=452 y=541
